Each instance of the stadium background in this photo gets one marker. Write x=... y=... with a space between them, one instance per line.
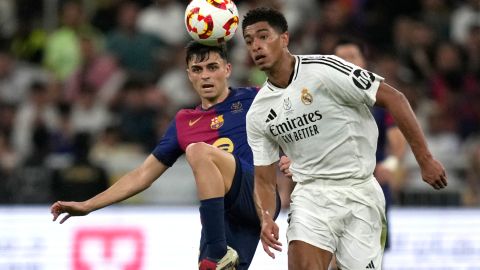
x=88 y=87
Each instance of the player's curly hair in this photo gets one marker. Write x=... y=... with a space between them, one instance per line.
x=200 y=52
x=262 y=14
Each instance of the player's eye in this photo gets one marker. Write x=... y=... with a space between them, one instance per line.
x=196 y=69
x=213 y=68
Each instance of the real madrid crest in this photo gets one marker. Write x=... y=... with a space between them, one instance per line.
x=306 y=97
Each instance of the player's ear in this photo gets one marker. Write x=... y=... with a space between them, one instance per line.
x=285 y=37
x=228 y=68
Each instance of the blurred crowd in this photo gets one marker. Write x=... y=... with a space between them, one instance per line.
x=88 y=87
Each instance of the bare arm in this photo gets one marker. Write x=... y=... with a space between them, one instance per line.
x=128 y=185
x=265 y=189
x=397 y=104
x=265 y=194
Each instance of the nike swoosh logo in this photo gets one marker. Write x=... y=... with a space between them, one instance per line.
x=191 y=123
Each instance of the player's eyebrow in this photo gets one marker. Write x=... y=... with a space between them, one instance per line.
x=198 y=65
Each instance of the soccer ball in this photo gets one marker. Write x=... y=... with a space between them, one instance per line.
x=211 y=22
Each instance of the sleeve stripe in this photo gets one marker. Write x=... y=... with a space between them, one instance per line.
x=333 y=60
x=339 y=68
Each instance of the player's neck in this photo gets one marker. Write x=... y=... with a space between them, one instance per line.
x=282 y=71
x=208 y=103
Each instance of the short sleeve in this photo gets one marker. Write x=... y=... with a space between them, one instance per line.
x=168 y=150
x=265 y=151
x=348 y=83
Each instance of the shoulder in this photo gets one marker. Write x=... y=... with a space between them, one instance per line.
x=245 y=91
x=325 y=62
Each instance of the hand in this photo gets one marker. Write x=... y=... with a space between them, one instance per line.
x=71 y=208
x=284 y=165
x=434 y=174
x=382 y=174
x=269 y=235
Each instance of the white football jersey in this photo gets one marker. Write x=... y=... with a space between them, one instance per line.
x=321 y=120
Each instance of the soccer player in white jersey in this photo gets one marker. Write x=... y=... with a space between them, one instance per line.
x=316 y=109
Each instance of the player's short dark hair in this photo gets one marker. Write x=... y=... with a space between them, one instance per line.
x=263 y=14
x=200 y=52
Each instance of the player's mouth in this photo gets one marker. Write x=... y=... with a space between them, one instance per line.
x=207 y=86
x=259 y=58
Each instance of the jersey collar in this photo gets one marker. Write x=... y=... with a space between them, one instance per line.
x=293 y=76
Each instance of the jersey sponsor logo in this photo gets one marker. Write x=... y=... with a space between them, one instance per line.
x=225 y=144
x=217 y=122
x=271 y=115
x=297 y=128
x=191 y=123
x=236 y=107
x=306 y=97
x=363 y=79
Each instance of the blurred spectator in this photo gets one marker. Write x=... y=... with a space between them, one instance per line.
x=28 y=41
x=82 y=179
x=164 y=19
x=176 y=87
x=115 y=155
x=8 y=160
x=36 y=110
x=414 y=41
x=137 y=52
x=472 y=47
x=136 y=119
x=436 y=14
x=61 y=150
x=104 y=17
x=445 y=145
x=62 y=52
x=8 y=20
x=16 y=77
x=31 y=181
x=89 y=114
x=471 y=192
x=7 y=118
x=98 y=72
x=453 y=87
x=463 y=17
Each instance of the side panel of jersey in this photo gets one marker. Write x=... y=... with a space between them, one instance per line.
x=222 y=125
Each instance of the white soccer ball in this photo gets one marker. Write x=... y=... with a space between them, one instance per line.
x=211 y=22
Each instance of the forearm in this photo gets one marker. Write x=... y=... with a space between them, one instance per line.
x=126 y=187
x=265 y=190
x=400 y=109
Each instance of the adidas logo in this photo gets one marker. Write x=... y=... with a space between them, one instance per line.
x=271 y=115
x=370 y=265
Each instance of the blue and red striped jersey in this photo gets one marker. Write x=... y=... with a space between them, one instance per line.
x=222 y=125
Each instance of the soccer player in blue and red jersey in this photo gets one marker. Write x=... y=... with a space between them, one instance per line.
x=213 y=138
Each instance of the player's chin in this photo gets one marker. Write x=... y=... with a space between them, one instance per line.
x=262 y=65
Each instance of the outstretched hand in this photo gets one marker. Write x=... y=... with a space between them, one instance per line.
x=434 y=174
x=71 y=208
x=270 y=235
